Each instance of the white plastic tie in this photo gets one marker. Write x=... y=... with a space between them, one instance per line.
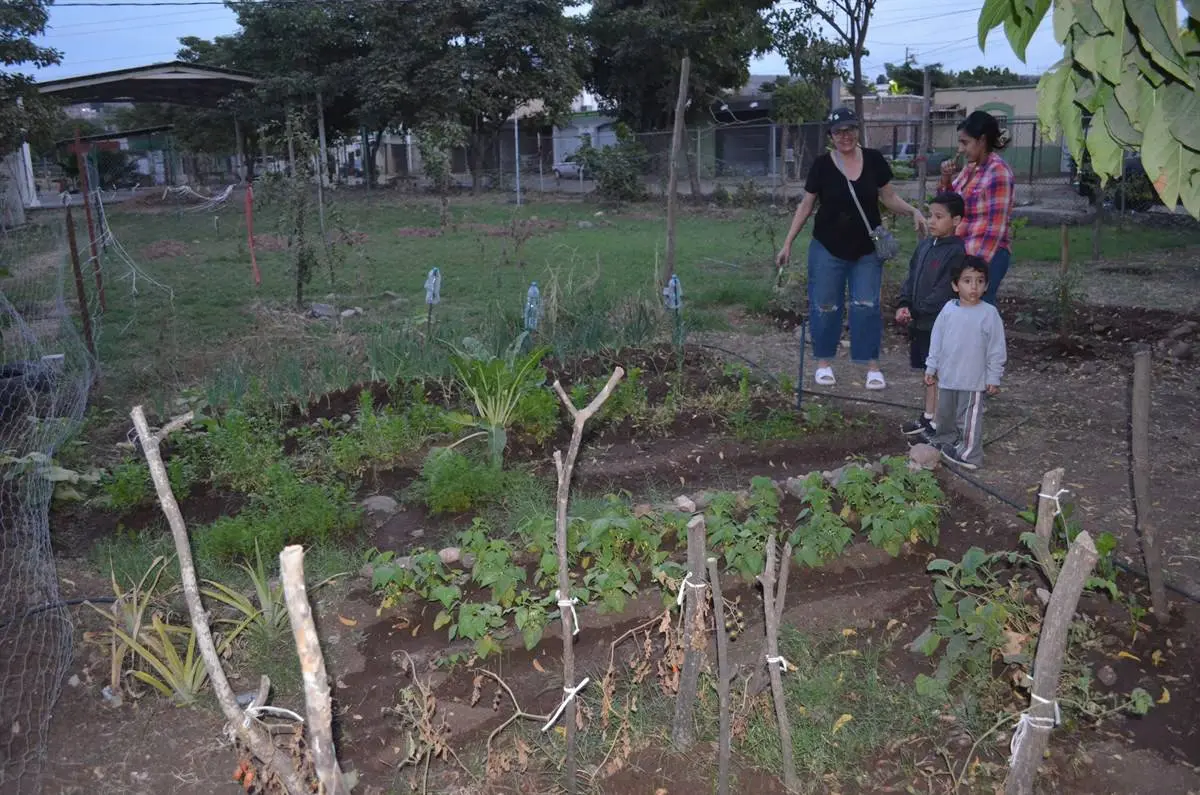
x=684 y=585
x=1057 y=499
x=255 y=710
x=783 y=664
x=568 y=694
x=569 y=604
x=1026 y=722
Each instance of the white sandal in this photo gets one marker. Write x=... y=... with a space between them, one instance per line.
x=875 y=380
x=824 y=376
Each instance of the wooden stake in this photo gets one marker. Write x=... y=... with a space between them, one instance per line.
x=771 y=601
x=251 y=733
x=685 y=67
x=565 y=469
x=723 y=676
x=318 y=706
x=85 y=316
x=1140 y=447
x=694 y=637
x=84 y=185
x=1047 y=512
x=1064 y=287
x=1051 y=647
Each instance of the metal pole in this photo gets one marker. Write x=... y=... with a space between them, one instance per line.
x=926 y=142
x=800 y=374
x=321 y=140
x=517 y=155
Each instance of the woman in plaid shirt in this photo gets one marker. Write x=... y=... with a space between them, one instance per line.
x=986 y=185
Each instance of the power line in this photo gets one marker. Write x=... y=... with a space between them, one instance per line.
x=94 y=31
x=158 y=15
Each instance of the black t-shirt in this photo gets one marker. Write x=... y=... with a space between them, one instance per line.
x=838 y=226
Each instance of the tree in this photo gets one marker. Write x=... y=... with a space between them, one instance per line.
x=849 y=20
x=475 y=62
x=24 y=113
x=637 y=46
x=910 y=78
x=993 y=76
x=1132 y=66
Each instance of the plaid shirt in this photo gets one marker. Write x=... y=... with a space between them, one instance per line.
x=987 y=192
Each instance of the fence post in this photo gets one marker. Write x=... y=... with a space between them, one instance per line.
x=1140 y=447
x=673 y=177
x=80 y=292
x=87 y=209
x=1033 y=152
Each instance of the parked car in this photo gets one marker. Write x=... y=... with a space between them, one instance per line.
x=908 y=152
x=569 y=170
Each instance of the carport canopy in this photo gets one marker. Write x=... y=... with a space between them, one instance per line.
x=175 y=82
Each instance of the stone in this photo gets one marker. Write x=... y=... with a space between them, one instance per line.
x=923 y=456
x=73 y=681
x=796 y=487
x=1107 y=675
x=1182 y=330
x=702 y=499
x=685 y=504
x=1180 y=351
x=450 y=555
x=352 y=312
x=586 y=225
x=834 y=477
x=322 y=311
x=1088 y=369
x=380 y=504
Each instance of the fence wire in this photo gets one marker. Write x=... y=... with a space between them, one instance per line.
x=45 y=375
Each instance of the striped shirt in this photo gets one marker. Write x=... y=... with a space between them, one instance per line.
x=987 y=192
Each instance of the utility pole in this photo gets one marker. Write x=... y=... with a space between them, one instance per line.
x=926 y=137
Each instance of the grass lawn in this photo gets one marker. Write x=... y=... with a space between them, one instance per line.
x=596 y=268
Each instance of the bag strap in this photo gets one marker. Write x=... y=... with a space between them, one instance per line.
x=837 y=159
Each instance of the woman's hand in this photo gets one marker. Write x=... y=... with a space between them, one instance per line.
x=903 y=316
x=949 y=166
x=919 y=223
x=785 y=254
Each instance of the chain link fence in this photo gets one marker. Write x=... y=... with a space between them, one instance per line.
x=46 y=372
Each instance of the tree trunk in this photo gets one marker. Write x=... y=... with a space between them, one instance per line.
x=477 y=151
x=858 y=93
x=693 y=161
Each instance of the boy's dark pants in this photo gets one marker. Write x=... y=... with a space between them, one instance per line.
x=960 y=423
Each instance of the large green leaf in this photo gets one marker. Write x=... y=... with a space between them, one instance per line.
x=1107 y=155
x=993 y=14
x=1064 y=18
x=1111 y=13
x=1070 y=117
x=1158 y=29
x=1120 y=127
x=1135 y=96
x=1181 y=106
x=1162 y=157
x=1020 y=26
x=1087 y=18
x=1050 y=90
x=1108 y=56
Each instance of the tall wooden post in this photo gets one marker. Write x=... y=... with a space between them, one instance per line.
x=926 y=137
x=85 y=187
x=685 y=68
x=1140 y=447
x=85 y=316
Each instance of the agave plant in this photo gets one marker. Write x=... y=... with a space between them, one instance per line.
x=497 y=384
x=180 y=677
x=127 y=617
x=267 y=620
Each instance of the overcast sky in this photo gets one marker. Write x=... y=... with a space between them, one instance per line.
x=99 y=39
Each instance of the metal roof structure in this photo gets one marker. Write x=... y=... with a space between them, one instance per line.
x=174 y=82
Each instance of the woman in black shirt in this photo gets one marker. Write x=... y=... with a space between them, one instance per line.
x=842 y=253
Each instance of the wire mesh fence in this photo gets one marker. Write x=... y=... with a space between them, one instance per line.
x=46 y=372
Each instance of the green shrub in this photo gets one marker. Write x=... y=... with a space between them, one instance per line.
x=628 y=401
x=126 y=486
x=240 y=449
x=538 y=414
x=618 y=169
x=451 y=482
x=287 y=511
x=380 y=438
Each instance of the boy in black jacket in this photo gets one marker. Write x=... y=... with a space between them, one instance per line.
x=926 y=291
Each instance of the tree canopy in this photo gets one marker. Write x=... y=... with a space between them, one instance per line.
x=24 y=113
x=1134 y=68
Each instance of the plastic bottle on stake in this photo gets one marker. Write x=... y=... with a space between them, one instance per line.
x=433 y=287
x=673 y=294
x=533 y=307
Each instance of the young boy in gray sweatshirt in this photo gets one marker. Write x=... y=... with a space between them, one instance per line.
x=967 y=353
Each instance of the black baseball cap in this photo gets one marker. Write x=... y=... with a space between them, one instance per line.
x=842 y=119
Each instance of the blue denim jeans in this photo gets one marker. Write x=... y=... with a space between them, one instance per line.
x=828 y=279
x=996 y=270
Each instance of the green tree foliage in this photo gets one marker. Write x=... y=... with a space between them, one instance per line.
x=849 y=21
x=470 y=61
x=637 y=46
x=1134 y=68
x=23 y=112
x=813 y=62
x=910 y=78
x=990 y=76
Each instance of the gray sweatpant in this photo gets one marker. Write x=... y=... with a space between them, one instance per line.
x=960 y=423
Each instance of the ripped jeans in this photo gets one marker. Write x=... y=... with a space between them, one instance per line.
x=828 y=278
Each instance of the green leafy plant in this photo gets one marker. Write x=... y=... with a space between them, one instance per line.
x=126 y=486
x=821 y=534
x=380 y=438
x=126 y=617
x=617 y=168
x=451 y=482
x=538 y=414
x=497 y=384
x=264 y=618
x=181 y=677
x=743 y=538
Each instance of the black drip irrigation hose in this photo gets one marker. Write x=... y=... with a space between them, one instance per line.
x=33 y=611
